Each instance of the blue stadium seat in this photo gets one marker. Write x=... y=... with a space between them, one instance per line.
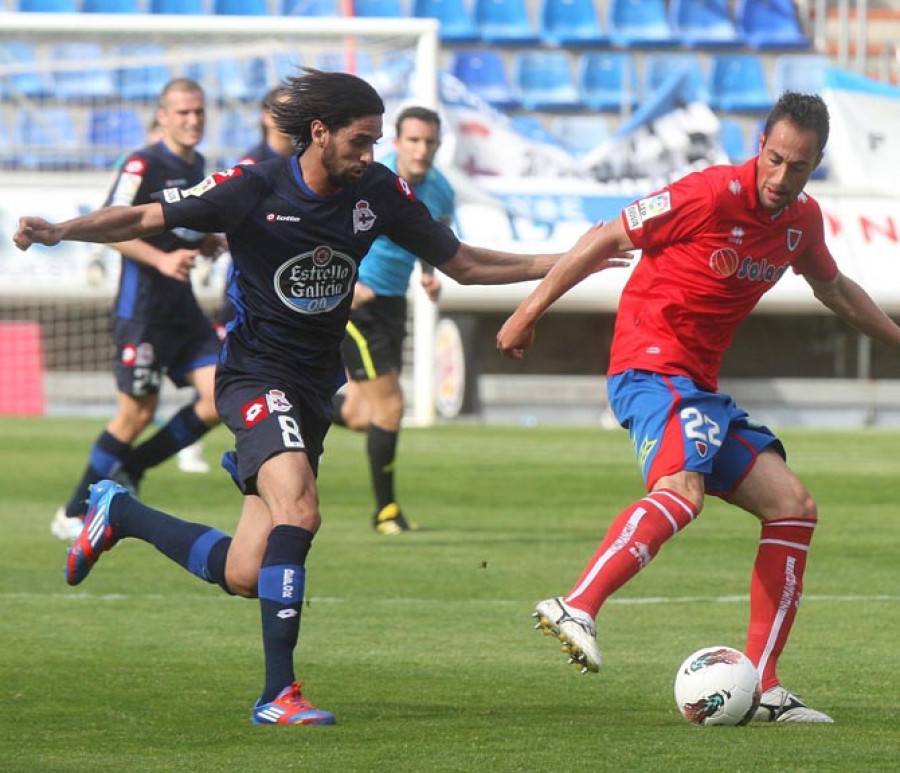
x=111 y=6
x=337 y=61
x=238 y=131
x=505 y=22
x=639 y=24
x=241 y=7
x=608 y=80
x=703 y=23
x=242 y=80
x=800 y=72
x=33 y=84
x=310 y=8
x=142 y=82
x=457 y=24
x=737 y=83
x=113 y=131
x=483 y=71
x=543 y=80
x=194 y=7
x=48 y=138
x=388 y=8
x=287 y=64
x=71 y=82
x=659 y=66
x=580 y=134
x=770 y=24
x=570 y=23
x=47 y=6
x=734 y=141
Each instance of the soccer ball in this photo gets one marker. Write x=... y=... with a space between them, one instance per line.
x=717 y=686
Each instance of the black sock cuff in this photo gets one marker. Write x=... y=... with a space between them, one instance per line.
x=288 y=545
x=192 y=422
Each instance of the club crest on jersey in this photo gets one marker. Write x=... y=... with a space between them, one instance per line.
x=363 y=217
x=277 y=401
x=316 y=281
x=793 y=238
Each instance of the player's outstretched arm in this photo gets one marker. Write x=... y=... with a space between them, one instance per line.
x=603 y=246
x=856 y=307
x=111 y=224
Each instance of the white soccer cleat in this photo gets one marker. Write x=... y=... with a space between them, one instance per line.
x=65 y=528
x=780 y=705
x=190 y=459
x=574 y=628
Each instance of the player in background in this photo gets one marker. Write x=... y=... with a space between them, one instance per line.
x=298 y=229
x=158 y=327
x=712 y=244
x=373 y=347
x=272 y=144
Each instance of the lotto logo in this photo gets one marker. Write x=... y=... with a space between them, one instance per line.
x=254 y=411
x=129 y=355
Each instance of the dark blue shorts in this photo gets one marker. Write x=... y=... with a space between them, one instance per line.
x=267 y=417
x=145 y=352
x=674 y=425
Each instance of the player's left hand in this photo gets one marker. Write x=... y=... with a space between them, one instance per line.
x=36 y=230
x=515 y=337
x=431 y=284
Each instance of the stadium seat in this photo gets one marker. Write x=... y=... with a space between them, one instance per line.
x=113 y=131
x=737 y=83
x=195 y=7
x=242 y=80
x=570 y=23
x=111 y=6
x=142 y=82
x=310 y=8
x=387 y=8
x=72 y=82
x=659 y=66
x=483 y=71
x=505 y=22
x=337 y=61
x=287 y=64
x=580 y=134
x=703 y=23
x=804 y=73
x=457 y=25
x=47 y=6
x=238 y=132
x=734 y=141
x=33 y=84
x=608 y=81
x=241 y=7
x=48 y=138
x=770 y=24
x=639 y=24
x=543 y=80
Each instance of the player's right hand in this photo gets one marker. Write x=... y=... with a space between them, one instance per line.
x=177 y=264
x=35 y=230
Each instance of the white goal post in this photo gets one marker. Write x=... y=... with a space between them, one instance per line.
x=236 y=59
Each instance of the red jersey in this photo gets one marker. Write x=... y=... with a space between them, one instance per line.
x=709 y=252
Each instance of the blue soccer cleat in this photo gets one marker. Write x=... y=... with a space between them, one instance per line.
x=291 y=708
x=97 y=534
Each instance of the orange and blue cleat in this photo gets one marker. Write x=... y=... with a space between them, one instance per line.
x=291 y=708
x=97 y=534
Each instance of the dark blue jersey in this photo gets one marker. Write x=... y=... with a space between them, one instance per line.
x=146 y=295
x=295 y=256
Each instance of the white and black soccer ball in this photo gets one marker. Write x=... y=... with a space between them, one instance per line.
x=717 y=686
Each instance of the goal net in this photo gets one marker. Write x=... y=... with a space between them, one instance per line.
x=79 y=91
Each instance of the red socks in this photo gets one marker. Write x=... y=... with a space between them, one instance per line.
x=775 y=591
x=635 y=537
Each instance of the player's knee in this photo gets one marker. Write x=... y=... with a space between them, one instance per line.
x=807 y=507
x=242 y=582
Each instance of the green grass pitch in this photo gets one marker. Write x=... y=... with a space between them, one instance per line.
x=422 y=645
